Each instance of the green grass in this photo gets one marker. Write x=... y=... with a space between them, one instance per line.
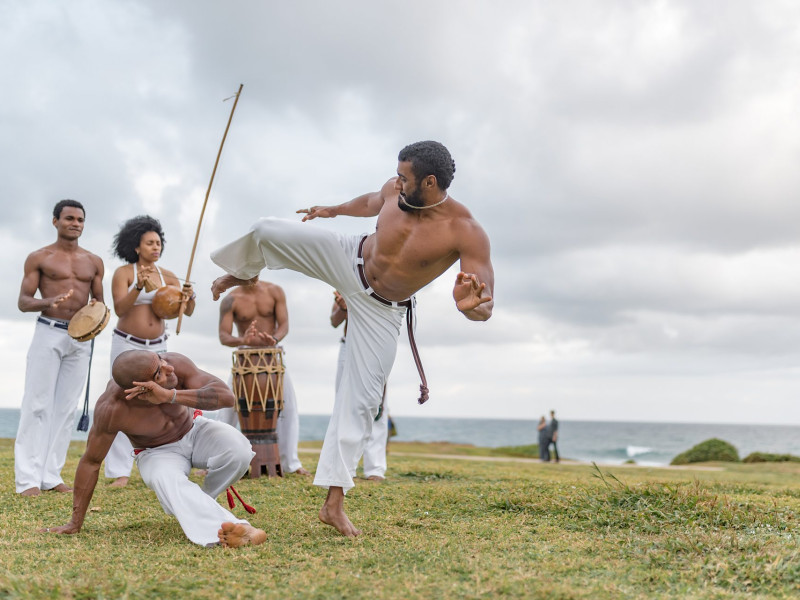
x=436 y=528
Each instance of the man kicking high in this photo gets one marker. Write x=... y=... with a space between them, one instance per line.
x=421 y=232
x=151 y=400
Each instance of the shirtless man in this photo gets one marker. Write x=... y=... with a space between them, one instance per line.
x=66 y=276
x=421 y=232
x=262 y=319
x=151 y=399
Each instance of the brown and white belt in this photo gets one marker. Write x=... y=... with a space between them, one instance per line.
x=409 y=305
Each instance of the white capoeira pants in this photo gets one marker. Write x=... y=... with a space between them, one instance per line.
x=119 y=460
x=211 y=445
x=375 y=449
x=54 y=378
x=372 y=331
x=288 y=428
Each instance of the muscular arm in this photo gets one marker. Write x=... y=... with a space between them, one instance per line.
x=281 y=315
x=198 y=389
x=97 y=280
x=366 y=205
x=100 y=439
x=30 y=283
x=225 y=330
x=474 y=288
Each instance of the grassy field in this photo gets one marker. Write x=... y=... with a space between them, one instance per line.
x=438 y=527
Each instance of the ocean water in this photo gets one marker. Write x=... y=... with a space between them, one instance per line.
x=604 y=442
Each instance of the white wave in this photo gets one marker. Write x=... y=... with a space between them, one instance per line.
x=632 y=451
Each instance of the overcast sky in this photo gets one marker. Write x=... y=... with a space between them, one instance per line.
x=635 y=165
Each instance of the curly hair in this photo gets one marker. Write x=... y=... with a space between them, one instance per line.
x=430 y=158
x=63 y=203
x=127 y=239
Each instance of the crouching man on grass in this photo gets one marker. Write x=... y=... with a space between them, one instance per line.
x=153 y=400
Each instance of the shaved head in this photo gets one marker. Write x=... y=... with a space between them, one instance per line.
x=134 y=365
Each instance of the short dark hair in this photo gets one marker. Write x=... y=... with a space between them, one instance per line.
x=430 y=158
x=62 y=203
x=130 y=234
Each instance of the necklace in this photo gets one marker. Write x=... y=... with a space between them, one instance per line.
x=446 y=196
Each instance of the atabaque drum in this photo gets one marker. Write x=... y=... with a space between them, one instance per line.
x=258 y=388
x=167 y=302
x=88 y=321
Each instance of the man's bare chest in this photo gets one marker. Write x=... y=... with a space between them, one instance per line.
x=61 y=267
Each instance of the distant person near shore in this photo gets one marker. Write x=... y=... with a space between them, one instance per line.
x=375 y=448
x=154 y=399
x=544 y=440
x=421 y=231
x=552 y=429
x=140 y=243
x=66 y=276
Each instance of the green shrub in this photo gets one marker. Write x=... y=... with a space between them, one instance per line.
x=710 y=450
x=760 y=457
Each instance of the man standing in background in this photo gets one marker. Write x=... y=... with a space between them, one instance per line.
x=66 y=276
x=262 y=319
x=553 y=431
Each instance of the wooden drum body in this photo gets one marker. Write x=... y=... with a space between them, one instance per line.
x=258 y=388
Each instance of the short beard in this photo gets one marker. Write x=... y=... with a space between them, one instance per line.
x=412 y=202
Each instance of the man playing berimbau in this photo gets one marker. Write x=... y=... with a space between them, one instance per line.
x=421 y=232
x=152 y=399
x=66 y=276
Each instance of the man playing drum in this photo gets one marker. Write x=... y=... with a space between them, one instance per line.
x=66 y=276
x=151 y=400
x=421 y=232
x=262 y=320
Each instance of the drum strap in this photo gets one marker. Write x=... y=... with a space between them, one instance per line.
x=83 y=423
x=410 y=306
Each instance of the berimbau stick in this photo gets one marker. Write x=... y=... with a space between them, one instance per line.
x=203 y=211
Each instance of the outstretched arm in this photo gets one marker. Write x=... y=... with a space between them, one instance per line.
x=474 y=288
x=366 y=205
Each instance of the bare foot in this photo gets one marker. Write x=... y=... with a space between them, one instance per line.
x=62 y=488
x=201 y=472
x=34 y=491
x=332 y=513
x=119 y=482
x=375 y=478
x=301 y=471
x=234 y=535
x=226 y=282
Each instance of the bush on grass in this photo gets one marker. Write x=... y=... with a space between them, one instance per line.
x=708 y=451
x=761 y=457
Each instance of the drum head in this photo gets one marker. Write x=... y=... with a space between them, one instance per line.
x=88 y=321
x=167 y=302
